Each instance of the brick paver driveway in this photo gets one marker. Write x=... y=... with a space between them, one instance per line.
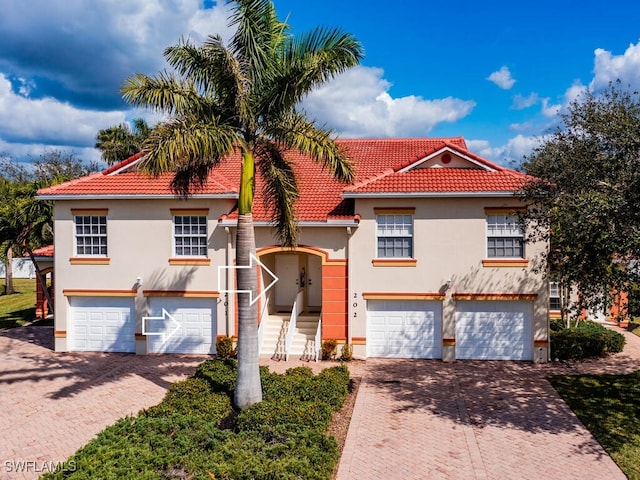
x=474 y=420
x=413 y=419
x=54 y=403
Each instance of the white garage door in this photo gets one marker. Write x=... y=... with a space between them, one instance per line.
x=188 y=326
x=102 y=324
x=404 y=329
x=494 y=330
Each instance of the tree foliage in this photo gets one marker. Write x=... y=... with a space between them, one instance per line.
x=244 y=97
x=585 y=199
x=119 y=142
x=27 y=223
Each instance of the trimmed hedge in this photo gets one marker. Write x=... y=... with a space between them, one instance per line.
x=195 y=433
x=586 y=340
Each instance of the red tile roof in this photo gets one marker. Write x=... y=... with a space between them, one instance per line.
x=44 y=251
x=382 y=167
x=131 y=183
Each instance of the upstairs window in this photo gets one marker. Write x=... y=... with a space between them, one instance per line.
x=554 y=296
x=394 y=235
x=190 y=235
x=91 y=235
x=504 y=236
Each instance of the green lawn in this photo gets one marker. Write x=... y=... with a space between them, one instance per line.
x=19 y=308
x=609 y=406
x=634 y=326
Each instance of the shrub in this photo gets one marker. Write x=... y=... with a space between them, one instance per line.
x=220 y=373
x=224 y=348
x=328 y=349
x=586 y=340
x=266 y=416
x=193 y=396
x=347 y=353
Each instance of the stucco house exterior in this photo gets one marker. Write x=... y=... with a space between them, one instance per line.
x=420 y=257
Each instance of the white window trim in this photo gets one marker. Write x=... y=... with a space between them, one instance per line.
x=205 y=236
x=411 y=236
x=516 y=232
x=98 y=235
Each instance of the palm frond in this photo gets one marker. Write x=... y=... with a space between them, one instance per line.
x=189 y=148
x=298 y=133
x=259 y=35
x=280 y=191
x=162 y=92
x=307 y=61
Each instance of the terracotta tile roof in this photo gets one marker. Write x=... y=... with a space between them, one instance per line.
x=440 y=180
x=130 y=184
x=44 y=251
x=380 y=166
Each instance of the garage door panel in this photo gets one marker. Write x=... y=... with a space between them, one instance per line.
x=193 y=329
x=101 y=324
x=494 y=330
x=404 y=329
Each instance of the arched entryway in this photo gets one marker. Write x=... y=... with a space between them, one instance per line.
x=310 y=283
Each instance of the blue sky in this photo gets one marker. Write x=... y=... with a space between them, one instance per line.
x=498 y=73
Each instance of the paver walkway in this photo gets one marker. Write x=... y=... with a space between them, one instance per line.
x=413 y=419
x=54 y=403
x=474 y=420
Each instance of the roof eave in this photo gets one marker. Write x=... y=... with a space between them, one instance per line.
x=128 y=196
x=232 y=222
x=498 y=193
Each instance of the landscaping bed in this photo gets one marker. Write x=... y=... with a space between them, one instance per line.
x=195 y=433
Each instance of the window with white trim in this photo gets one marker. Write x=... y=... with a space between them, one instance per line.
x=190 y=235
x=554 y=296
x=504 y=236
x=91 y=235
x=394 y=234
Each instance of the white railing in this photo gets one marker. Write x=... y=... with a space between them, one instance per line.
x=264 y=316
x=318 y=340
x=298 y=307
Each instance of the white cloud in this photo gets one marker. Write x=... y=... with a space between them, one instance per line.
x=358 y=104
x=609 y=68
x=520 y=102
x=502 y=78
x=26 y=120
x=551 y=110
x=513 y=152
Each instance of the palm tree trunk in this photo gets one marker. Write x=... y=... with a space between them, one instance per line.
x=248 y=386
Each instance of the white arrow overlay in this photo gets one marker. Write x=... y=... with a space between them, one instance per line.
x=253 y=261
x=171 y=326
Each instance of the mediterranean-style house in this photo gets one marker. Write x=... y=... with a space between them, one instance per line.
x=420 y=257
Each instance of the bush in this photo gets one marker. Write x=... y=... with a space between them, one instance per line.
x=328 y=349
x=331 y=385
x=347 y=353
x=266 y=416
x=586 y=340
x=193 y=396
x=224 y=348
x=220 y=373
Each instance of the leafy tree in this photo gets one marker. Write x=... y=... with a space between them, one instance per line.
x=586 y=197
x=244 y=97
x=26 y=223
x=119 y=142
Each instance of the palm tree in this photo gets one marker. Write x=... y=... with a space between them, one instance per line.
x=121 y=141
x=243 y=97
